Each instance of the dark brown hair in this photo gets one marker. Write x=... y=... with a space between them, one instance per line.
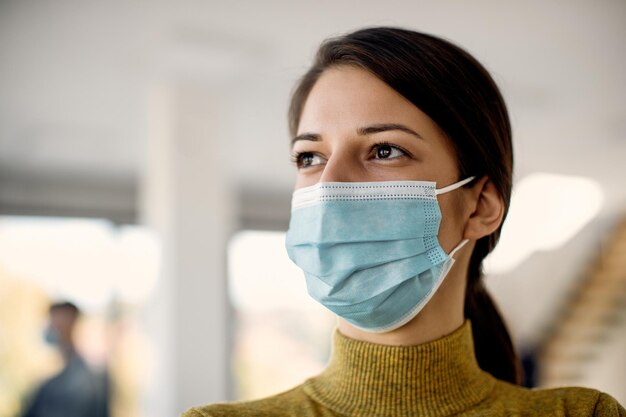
x=459 y=95
x=65 y=306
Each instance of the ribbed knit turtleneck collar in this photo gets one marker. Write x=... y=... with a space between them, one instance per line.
x=433 y=379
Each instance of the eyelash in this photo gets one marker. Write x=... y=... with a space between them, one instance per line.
x=296 y=157
x=376 y=146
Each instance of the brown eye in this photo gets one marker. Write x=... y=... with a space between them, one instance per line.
x=307 y=159
x=385 y=151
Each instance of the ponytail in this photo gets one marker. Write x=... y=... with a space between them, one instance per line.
x=493 y=346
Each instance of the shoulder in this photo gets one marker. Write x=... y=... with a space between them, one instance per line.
x=571 y=401
x=290 y=403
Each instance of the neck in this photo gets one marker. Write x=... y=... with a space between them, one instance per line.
x=66 y=347
x=440 y=317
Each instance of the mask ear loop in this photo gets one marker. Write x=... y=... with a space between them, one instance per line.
x=454 y=186
x=458 y=247
x=449 y=188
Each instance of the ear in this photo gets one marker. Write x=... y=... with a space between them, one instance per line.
x=487 y=210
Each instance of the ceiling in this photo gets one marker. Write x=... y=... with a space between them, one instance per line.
x=75 y=76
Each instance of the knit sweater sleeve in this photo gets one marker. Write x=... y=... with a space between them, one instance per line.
x=609 y=407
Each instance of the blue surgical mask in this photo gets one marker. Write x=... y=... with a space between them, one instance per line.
x=369 y=250
x=51 y=336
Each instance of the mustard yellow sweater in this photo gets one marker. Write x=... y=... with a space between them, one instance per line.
x=440 y=378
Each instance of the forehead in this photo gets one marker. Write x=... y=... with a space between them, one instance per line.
x=344 y=97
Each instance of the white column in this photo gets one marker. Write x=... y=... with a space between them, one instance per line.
x=186 y=197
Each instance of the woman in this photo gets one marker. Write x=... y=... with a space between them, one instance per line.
x=402 y=144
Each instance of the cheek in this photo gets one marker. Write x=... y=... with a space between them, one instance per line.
x=308 y=177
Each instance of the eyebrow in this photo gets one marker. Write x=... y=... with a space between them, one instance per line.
x=314 y=137
x=384 y=127
x=362 y=131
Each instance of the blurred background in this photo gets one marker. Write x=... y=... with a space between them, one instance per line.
x=145 y=176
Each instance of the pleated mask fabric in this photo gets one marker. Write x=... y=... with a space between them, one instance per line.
x=369 y=250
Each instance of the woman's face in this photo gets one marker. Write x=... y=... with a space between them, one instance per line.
x=356 y=128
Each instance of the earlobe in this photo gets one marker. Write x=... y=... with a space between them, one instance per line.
x=488 y=210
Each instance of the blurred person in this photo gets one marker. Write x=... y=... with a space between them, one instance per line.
x=404 y=159
x=76 y=391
